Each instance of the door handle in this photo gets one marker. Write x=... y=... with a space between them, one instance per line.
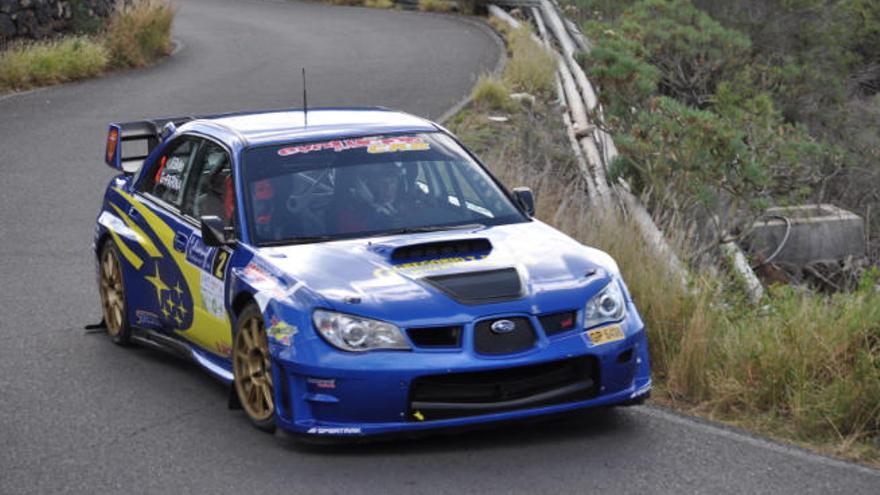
x=180 y=239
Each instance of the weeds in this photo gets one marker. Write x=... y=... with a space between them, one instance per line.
x=379 y=4
x=531 y=67
x=437 y=6
x=136 y=34
x=140 y=32
x=805 y=368
x=492 y=94
x=37 y=64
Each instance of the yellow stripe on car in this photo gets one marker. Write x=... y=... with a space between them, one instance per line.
x=206 y=330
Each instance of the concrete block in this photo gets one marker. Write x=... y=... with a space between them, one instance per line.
x=818 y=232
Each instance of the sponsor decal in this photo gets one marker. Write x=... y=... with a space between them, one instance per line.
x=199 y=254
x=147 y=319
x=325 y=430
x=175 y=165
x=418 y=267
x=211 y=289
x=208 y=259
x=323 y=383
x=280 y=331
x=373 y=145
x=172 y=182
x=223 y=348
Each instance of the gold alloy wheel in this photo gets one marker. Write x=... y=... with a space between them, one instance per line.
x=253 y=375
x=112 y=295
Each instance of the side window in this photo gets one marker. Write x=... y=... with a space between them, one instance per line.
x=167 y=179
x=210 y=190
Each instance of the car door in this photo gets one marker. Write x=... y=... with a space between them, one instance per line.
x=156 y=210
x=209 y=191
x=189 y=178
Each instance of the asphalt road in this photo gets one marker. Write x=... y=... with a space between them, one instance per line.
x=80 y=415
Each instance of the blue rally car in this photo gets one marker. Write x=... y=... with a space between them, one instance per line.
x=355 y=272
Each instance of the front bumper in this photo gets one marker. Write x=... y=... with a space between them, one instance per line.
x=346 y=395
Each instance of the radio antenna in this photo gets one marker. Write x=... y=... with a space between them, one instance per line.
x=305 y=101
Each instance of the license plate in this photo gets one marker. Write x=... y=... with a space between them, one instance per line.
x=604 y=335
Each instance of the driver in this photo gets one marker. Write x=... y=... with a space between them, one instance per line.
x=374 y=199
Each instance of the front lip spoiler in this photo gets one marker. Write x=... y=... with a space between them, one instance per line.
x=328 y=441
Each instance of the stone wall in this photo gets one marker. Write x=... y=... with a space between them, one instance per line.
x=35 y=19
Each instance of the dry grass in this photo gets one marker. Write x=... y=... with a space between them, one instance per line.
x=27 y=65
x=491 y=94
x=379 y=4
x=804 y=368
x=136 y=35
x=139 y=32
x=531 y=67
x=437 y=5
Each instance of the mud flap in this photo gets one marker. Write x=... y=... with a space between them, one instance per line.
x=233 y=402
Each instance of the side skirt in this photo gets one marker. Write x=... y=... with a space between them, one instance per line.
x=157 y=340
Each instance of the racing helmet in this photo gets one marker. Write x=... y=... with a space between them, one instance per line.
x=379 y=185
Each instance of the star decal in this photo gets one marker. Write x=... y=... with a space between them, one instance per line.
x=157 y=282
x=171 y=300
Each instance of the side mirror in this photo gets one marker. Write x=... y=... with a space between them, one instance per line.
x=214 y=231
x=526 y=199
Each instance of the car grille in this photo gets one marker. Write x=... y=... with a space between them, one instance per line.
x=468 y=394
x=558 y=322
x=435 y=337
x=487 y=341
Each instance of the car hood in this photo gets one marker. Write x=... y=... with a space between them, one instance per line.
x=403 y=277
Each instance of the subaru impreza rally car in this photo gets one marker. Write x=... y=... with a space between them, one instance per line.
x=355 y=272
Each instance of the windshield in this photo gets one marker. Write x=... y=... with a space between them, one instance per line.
x=367 y=186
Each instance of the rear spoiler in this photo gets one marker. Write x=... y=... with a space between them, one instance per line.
x=130 y=143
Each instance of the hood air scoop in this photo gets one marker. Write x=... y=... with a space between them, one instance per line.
x=441 y=249
x=480 y=287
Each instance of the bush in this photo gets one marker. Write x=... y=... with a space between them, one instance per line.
x=627 y=81
x=531 y=67
x=490 y=93
x=50 y=62
x=693 y=52
x=803 y=367
x=139 y=32
x=379 y=4
x=436 y=6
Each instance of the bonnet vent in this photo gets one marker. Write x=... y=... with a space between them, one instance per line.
x=480 y=287
x=452 y=247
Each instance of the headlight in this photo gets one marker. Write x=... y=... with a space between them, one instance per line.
x=356 y=334
x=606 y=306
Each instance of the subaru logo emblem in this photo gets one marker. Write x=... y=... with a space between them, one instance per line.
x=503 y=326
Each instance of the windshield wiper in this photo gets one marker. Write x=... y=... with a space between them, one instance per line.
x=434 y=228
x=298 y=240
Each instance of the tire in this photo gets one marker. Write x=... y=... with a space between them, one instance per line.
x=251 y=369
x=111 y=286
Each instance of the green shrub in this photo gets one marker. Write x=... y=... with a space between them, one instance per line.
x=35 y=64
x=531 y=67
x=379 y=4
x=627 y=81
x=139 y=32
x=490 y=93
x=802 y=367
x=436 y=5
x=692 y=51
